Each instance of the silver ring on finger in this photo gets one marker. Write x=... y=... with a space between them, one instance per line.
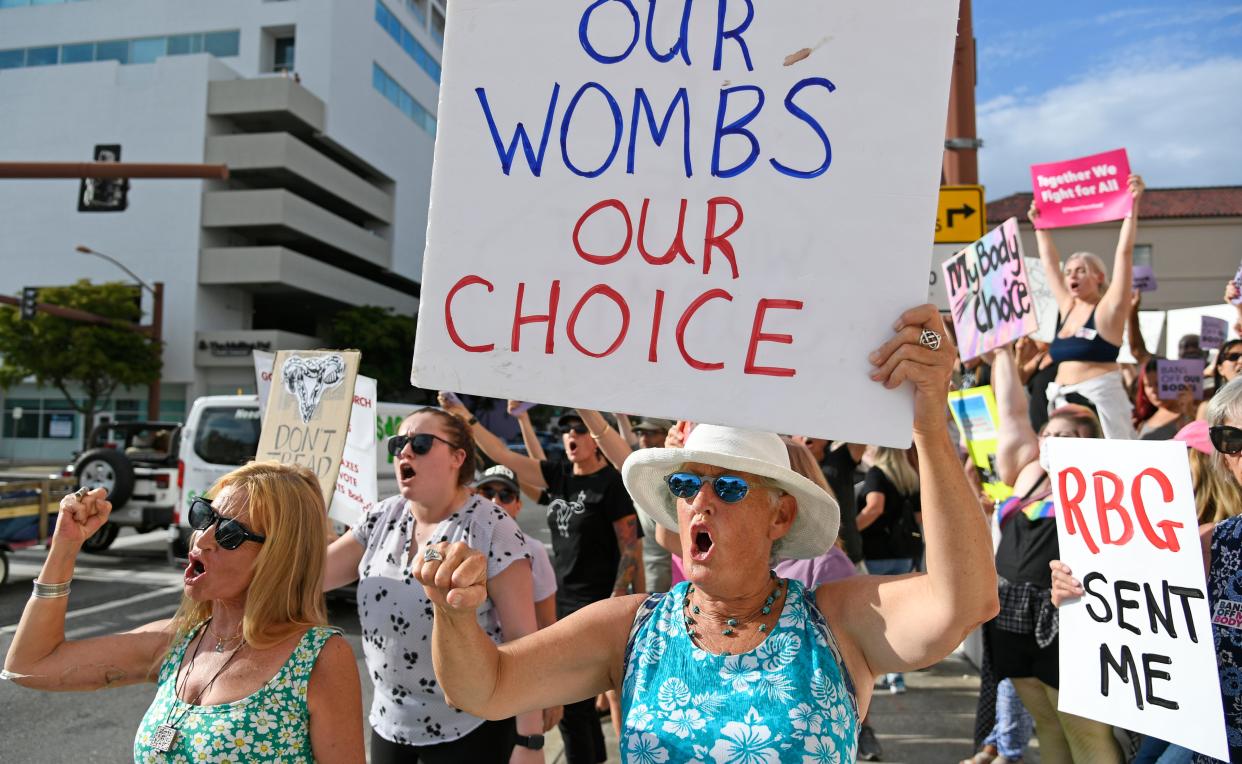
x=930 y=339
x=432 y=555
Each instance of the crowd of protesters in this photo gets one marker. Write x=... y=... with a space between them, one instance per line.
x=715 y=591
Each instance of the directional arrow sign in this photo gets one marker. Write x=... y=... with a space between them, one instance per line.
x=960 y=217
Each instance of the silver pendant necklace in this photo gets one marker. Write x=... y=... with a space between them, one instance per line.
x=166 y=734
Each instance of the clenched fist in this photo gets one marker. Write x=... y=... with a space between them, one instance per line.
x=457 y=581
x=81 y=515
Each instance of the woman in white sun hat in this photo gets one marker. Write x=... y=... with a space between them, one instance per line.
x=736 y=664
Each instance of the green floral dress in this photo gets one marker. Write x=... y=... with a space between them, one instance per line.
x=271 y=725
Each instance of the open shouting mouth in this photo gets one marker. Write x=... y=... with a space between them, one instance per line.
x=701 y=543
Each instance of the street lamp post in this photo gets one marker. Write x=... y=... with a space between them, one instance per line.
x=155 y=330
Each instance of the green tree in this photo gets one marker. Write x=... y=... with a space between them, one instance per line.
x=91 y=359
x=387 y=344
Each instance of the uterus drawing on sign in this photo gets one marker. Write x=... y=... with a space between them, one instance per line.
x=565 y=510
x=308 y=378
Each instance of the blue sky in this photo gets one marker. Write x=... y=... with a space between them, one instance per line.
x=1061 y=79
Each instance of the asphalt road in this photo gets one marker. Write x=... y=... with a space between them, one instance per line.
x=133 y=584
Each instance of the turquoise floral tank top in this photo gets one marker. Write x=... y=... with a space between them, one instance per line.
x=788 y=700
x=272 y=724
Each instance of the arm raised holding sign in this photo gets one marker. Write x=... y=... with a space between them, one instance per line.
x=1092 y=316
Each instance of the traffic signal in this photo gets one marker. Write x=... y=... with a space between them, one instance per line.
x=104 y=194
x=30 y=301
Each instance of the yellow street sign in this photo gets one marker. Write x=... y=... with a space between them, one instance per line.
x=960 y=216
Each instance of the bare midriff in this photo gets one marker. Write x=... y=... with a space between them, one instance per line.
x=1074 y=372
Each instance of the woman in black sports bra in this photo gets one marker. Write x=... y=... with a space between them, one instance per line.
x=1090 y=322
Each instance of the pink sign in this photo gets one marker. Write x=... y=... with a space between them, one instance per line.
x=1082 y=191
x=989 y=292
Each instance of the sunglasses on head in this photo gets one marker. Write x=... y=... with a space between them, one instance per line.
x=419 y=444
x=502 y=495
x=230 y=534
x=1226 y=439
x=686 y=485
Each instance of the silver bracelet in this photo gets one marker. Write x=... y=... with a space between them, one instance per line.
x=51 y=591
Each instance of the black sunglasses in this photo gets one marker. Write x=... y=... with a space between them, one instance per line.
x=686 y=485
x=503 y=495
x=578 y=429
x=419 y=444
x=230 y=534
x=1235 y=357
x=1226 y=439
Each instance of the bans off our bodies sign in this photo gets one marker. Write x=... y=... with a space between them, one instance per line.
x=1136 y=651
x=670 y=207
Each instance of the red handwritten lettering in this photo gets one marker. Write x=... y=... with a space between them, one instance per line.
x=721 y=240
x=1070 y=509
x=611 y=294
x=1168 y=527
x=711 y=294
x=629 y=233
x=757 y=335
x=1112 y=504
x=448 y=314
x=549 y=318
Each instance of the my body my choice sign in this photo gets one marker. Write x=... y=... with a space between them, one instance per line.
x=669 y=207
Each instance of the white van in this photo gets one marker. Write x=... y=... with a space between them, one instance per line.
x=222 y=433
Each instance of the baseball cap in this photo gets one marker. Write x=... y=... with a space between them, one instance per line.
x=498 y=474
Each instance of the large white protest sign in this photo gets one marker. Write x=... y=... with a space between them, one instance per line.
x=1151 y=323
x=728 y=201
x=1184 y=321
x=355 y=493
x=356 y=485
x=1136 y=650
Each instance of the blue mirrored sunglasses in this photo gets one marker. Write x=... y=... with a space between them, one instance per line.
x=686 y=485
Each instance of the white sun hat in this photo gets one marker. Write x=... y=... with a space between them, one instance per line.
x=764 y=454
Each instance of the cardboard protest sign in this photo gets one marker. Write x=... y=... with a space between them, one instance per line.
x=974 y=412
x=1144 y=278
x=1184 y=321
x=1080 y=191
x=1212 y=332
x=1151 y=322
x=355 y=491
x=1178 y=377
x=1046 y=309
x=308 y=411
x=989 y=294
x=688 y=192
x=1136 y=651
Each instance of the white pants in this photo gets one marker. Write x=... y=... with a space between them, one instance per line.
x=1107 y=393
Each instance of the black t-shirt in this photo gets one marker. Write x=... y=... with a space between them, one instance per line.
x=581 y=513
x=876 y=541
x=838 y=466
x=1026 y=547
x=1037 y=393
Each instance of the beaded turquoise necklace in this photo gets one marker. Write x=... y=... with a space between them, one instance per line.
x=693 y=615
